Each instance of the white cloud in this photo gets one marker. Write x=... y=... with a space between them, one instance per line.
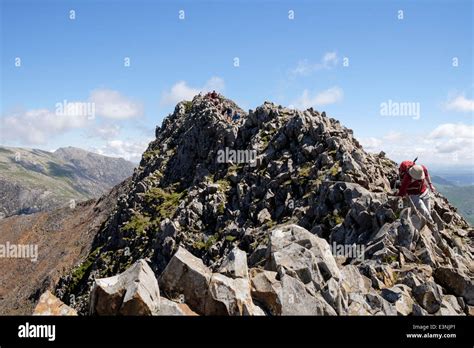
x=447 y=144
x=181 y=91
x=105 y=131
x=129 y=150
x=451 y=130
x=36 y=126
x=393 y=136
x=330 y=59
x=112 y=104
x=329 y=96
x=454 y=145
x=371 y=144
x=305 y=67
x=460 y=103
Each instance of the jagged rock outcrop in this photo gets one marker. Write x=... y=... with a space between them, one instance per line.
x=187 y=277
x=314 y=213
x=133 y=292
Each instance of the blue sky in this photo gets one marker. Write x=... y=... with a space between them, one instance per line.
x=297 y=62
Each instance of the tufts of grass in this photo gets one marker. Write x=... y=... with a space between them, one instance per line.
x=188 y=105
x=221 y=208
x=334 y=169
x=164 y=203
x=150 y=154
x=230 y=238
x=305 y=170
x=224 y=185
x=207 y=244
x=138 y=223
x=80 y=271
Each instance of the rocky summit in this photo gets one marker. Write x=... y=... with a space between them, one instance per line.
x=275 y=212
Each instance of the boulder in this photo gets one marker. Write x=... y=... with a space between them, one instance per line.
x=228 y=296
x=428 y=295
x=264 y=216
x=380 y=305
x=49 y=304
x=450 y=306
x=296 y=261
x=186 y=275
x=168 y=307
x=400 y=296
x=266 y=289
x=418 y=310
x=336 y=296
x=133 y=292
x=295 y=299
x=295 y=249
x=258 y=256
x=358 y=305
x=235 y=264
x=456 y=282
x=353 y=281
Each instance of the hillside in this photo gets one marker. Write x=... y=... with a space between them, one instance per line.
x=63 y=238
x=34 y=180
x=462 y=197
x=296 y=218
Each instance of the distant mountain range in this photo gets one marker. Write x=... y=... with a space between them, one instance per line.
x=33 y=180
x=454 y=178
x=460 y=193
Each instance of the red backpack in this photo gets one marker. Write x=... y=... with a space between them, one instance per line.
x=404 y=166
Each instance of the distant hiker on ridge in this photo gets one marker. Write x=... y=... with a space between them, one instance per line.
x=236 y=117
x=228 y=114
x=415 y=181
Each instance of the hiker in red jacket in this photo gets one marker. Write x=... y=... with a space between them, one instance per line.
x=416 y=183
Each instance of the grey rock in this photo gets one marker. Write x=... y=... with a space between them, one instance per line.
x=168 y=307
x=296 y=261
x=353 y=281
x=289 y=241
x=428 y=296
x=266 y=289
x=400 y=296
x=235 y=264
x=335 y=296
x=456 y=282
x=186 y=275
x=295 y=299
x=133 y=292
x=230 y=297
x=258 y=256
x=264 y=216
x=450 y=306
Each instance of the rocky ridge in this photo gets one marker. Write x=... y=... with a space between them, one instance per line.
x=266 y=237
